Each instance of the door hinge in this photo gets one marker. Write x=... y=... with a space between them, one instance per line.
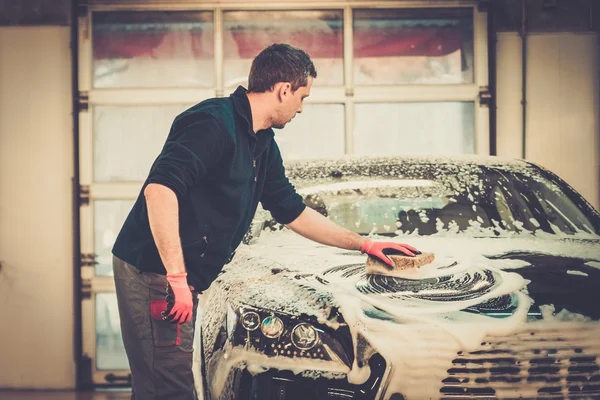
x=88 y=260
x=114 y=378
x=84 y=195
x=83 y=101
x=485 y=97
x=86 y=289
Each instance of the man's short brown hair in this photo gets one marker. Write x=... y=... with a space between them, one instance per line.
x=280 y=63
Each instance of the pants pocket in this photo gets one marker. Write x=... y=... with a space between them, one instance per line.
x=164 y=333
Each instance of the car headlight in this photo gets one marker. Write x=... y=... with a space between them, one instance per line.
x=282 y=334
x=272 y=327
x=250 y=320
x=304 y=336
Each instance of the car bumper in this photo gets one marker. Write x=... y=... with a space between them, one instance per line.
x=232 y=379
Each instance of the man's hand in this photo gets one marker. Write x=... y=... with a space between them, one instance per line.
x=181 y=305
x=381 y=250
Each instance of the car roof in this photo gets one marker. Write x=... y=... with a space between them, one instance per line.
x=365 y=166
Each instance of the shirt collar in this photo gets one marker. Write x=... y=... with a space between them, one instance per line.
x=242 y=105
x=242 y=108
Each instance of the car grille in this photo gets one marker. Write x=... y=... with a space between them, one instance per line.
x=285 y=385
x=543 y=364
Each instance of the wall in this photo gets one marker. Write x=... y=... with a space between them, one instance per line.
x=563 y=107
x=509 y=123
x=36 y=166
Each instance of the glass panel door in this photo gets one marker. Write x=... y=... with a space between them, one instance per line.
x=128 y=138
x=424 y=128
x=318 y=32
x=417 y=74
x=413 y=46
x=317 y=132
x=110 y=353
x=152 y=49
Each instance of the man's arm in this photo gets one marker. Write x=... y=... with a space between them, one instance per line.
x=163 y=210
x=163 y=215
x=190 y=151
x=316 y=227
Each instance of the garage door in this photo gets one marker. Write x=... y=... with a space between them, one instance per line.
x=392 y=79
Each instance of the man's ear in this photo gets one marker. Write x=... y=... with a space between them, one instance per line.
x=283 y=90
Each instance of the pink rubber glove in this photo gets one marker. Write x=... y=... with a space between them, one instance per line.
x=380 y=250
x=183 y=305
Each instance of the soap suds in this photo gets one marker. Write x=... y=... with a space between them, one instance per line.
x=549 y=314
x=595 y=264
x=231 y=357
x=572 y=272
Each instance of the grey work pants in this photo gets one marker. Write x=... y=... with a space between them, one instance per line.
x=159 y=353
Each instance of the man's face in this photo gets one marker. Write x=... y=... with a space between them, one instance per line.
x=291 y=104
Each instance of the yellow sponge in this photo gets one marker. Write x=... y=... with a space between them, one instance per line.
x=401 y=263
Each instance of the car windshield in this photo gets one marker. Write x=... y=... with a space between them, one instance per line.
x=495 y=203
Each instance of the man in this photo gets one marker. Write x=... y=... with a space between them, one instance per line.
x=218 y=162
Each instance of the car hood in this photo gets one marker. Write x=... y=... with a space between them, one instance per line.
x=486 y=311
x=286 y=272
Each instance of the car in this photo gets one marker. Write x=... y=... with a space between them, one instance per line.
x=509 y=307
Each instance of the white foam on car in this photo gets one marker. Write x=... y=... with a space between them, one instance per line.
x=422 y=342
x=420 y=350
x=370 y=184
x=571 y=272
x=595 y=264
x=255 y=363
x=426 y=335
x=549 y=313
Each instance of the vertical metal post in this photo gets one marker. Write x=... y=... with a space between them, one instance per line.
x=524 y=75
x=77 y=317
x=218 y=51
x=491 y=17
x=348 y=80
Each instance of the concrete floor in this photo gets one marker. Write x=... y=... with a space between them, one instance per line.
x=59 y=395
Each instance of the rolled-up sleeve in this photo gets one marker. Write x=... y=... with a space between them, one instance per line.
x=279 y=195
x=188 y=154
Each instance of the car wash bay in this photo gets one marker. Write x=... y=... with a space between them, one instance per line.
x=88 y=91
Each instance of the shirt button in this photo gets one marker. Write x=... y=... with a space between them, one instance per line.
x=254 y=179
x=254 y=163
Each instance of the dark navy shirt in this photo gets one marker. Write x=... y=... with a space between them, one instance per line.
x=220 y=170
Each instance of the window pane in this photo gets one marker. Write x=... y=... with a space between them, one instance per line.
x=110 y=352
x=153 y=49
x=319 y=33
x=317 y=132
x=415 y=128
x=413 y=46
x=109 y=216
x=127 y=139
